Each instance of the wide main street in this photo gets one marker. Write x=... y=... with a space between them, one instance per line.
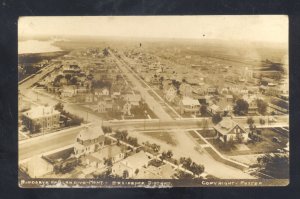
x=152 y=103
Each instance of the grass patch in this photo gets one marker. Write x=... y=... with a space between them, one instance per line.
x=197 y=137
x=207 y=133
x=162 y=136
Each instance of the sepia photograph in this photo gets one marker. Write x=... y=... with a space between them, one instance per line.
x=153 y=101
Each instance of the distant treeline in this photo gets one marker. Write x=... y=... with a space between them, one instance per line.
x=33 y=58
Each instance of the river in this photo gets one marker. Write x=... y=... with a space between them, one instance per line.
x=36 y=46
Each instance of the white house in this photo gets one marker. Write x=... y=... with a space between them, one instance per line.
x=38 y=167
x=68 y=91
x=229 y=130
x=89 y=140
x=190 y=105
x=170 y=93
x=131 y=164
x=186 y=90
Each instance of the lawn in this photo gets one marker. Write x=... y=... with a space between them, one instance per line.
x=207 y=133
x=264 y=146
x=197 y=137
x=166 y=137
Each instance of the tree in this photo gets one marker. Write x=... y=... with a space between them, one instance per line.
x=133 y=141
x=59 y=106
x=73 y=81
x=183 y=175
x=196 y=168
x=108 y=162
x=169 y=154
x=125 y=174
x=250 y=121
x=216 y=118
x=136 y=171
x=163 y=155
x=105 y=52
x=275 y=165
x=203 y=109
x=241 y=107
x=155 y=147
x=262 y=106
x=56 y=81
x=122 y=135
x=68 y=77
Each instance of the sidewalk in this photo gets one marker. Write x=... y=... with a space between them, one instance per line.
x=219 y=157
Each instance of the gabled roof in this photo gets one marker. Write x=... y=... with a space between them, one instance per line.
x=215 y=107
x=190 y=102
x=226 y=125
x=90 y=133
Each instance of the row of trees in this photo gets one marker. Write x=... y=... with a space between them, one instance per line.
x=68 y=118
x=241 y=107
x=188 y=164
x=123 y=135
x=275 y=165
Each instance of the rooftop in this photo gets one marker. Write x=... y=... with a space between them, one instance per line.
x=89 y=133
x=225 y=126
x=107 y=152
x=41 y=111
x=135 y=161
x=190 y=101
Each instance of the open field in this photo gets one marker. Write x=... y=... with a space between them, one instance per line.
x=162 y=136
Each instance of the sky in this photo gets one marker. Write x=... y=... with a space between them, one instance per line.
x=267 y=28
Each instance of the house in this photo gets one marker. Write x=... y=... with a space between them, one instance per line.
x=133 y=99
x=113 y=152
x=89 y=140
x=214 y=109
x=244 y=91
x=228 y=130
x=82 y=89
x=170 y=93
x=212 y=90
x=224 y=91
x=127 y=108
x=165 y=171
x=116 y=95
x=190 y=105
x=104 y=106
x=186 y=90
x=38 y=167
x=229 y=98
x=89 y=98
x=131 y=164
x=41 y=118
x=101 y=91
x=252 y=101
x=205 y=99
x=199 y=90
x=68 y=91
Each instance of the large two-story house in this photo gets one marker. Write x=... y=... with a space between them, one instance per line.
x=89 y=140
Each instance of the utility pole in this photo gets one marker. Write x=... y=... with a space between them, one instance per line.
x=87 y=116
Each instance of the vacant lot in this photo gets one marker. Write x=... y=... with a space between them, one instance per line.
x=196 y=137
x=163 y=136
x=207 y=133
